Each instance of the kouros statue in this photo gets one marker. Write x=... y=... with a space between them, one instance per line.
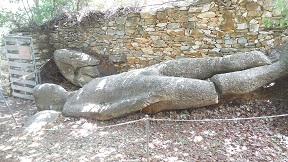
x=176 y=84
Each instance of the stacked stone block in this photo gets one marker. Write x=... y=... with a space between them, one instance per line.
x=202 y=29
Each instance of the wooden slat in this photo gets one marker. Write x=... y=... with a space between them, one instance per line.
x=29 y=97
x=11 y=47
x=20 y=64
x=20 y=88
x=14 y=38
x=23 y=73
x=29 y=82
x=12 y=55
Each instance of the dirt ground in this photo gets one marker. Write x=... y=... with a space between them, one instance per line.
x=81 y=140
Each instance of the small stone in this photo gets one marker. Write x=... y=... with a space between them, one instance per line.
x=147 y=50
x=242 y=26
x=132 y=21
x=267 y=14
x=120 y=58
x=159 y=43
x=173 y=25
x=245 y=14
x=206 y=8
x=229 y=42
x=147 y=15
x=110 y=31
x=207 y=15
x=198 y=43
x=120 y=20
x=218 y=46
x=161 y=24
x=220 y=34
x=189 y=25
x=149 y=29
x=154 y=38
x=207 y=32
x=227 y=50
x=254 y=13
x=161 y=16
x=270 y=42
x=214 y=19
x=166 y=37
x=195 y=9
x=141 y=40
x=285 y=39
x=175 y=32
x=120 y=32
x=253 y=21
x=184 y=48
x=183 y=39
x=196 y=32
x=192 y=19
x=216 y=50
x=254 y=28
x=134 y=44
x=242 y=40
x=195 y=47
x=184 y=8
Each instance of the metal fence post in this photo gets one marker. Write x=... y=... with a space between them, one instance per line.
x=147 y=137
x=2 y=96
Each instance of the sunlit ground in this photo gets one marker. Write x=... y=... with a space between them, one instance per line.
x=78 y=139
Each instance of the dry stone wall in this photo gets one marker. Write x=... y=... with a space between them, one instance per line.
x=139 y=39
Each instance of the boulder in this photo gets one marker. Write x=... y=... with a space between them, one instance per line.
x=39 y=120
x=118 y=95
x=80 y=68
x=203 y=68
x=50 y=97
x=246 y=81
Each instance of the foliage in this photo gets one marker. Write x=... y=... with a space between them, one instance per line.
x=280 y=6
x=35 y=11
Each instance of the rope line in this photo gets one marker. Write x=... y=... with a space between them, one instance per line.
x=103 y=127
x=172 y=120
x=211 y=120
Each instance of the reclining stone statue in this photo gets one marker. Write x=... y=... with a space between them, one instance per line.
x=176 y=84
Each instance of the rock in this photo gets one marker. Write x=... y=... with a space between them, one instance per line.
x=164 y=86
x=147 y=50
x=40 y=120
x=196 y=33
x=227 y=24
x=80 y=68
x=120 y=58
x=50 y=97
x=175 y=32
x=173 y=25
x=254 y=28
x=242 y=26
x=203 y=68
x=159 y=43
x=206 y=7
x=242 y=40
x=118 y=95
x=141 y=40
x=246 y=81
x=207 y=15
x=132 y=21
